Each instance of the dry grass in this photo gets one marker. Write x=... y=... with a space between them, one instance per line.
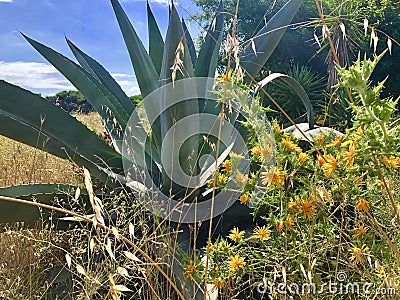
x=22 y=164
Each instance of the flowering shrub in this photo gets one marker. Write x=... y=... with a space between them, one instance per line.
x=331 y=206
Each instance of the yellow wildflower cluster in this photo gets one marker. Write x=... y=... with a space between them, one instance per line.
x=236 y=263
x=362 y=205
x=328 y=163
x=391 y=162
x=359 y=254
x=236 y=234
x=273 y=177
x=290 y=145
x=262 y=233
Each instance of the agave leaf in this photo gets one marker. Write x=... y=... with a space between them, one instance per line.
x=156 y=42
x=11 y=212
x=296 y=87
x=94 y=91
x=145 y=71
x=32 y=114
x=101 y=74
x=189 y=42
x=207 y=60
x=108 y=81
x=266 y=40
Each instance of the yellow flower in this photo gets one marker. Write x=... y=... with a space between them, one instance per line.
x=303 y=157
x=278 y=128
x=227 y=165
x=363 y=205
x=308 y=208
x=292 y=205
x=336 y=142
x=273 y=177
x=350 y=155
x=222 y=178
x=236 y=156
x=381 y=273
x=236 y=234
x=218 y=283
x=212 y=248
x=236 y=263
x=226 y=76
x=279 y=226
x=242 y=179
x=291 y=145
x=244 y=199
x=289 y=222
x=319 y=140
x=256 y=150
x=358 y=181
x=391 y=161
x=359 y=254
x=266 y=153
x=329 y=166
x=320 y=159
x=262 y=233
x=191 y=269
x=359 y=132
x=360 y=231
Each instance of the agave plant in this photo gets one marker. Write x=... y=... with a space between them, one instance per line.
x=30 y=119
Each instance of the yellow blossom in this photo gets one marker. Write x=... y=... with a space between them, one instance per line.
x=236 y=234
x=279 y=226
x=349 y=155
x=226 y=76
x=278 y=128
x=218 y=283
x=227 y=165
x=320 y=159
x=236 y=263
x=308 y=208
x=191 y=269
x=329 y=165
x=303 y=157
x=273 y=177
x=319 y=140
x=292 y=205
x=358 y=181
x=262 y=233
x=222 y=178
x=363 y=205
x=391 y=161
x=289 y=222
x=360 y=231
x=381 y=273
x=336 y=142
x=244 y=199
x=359 y=254
x=266 y=153
x=256 y=150
x=242 y=179
x=291 y=145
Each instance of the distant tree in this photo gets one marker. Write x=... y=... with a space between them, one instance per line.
x=136 y=98
x=71 y=101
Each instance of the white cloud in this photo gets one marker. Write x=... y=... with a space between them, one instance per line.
x=6 y=0
x=45 y=79
x=33 y=75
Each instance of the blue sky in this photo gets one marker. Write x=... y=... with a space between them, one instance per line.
x=90 y=24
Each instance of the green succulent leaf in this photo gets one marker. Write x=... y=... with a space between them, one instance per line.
x=266 y=40
x=207 y=60
x=146 y=74
x=189 y=42
x=156 y=42
x=296 y=87
x=111 y=111
x=32 y=120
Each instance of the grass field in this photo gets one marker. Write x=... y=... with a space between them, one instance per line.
x=22 y=164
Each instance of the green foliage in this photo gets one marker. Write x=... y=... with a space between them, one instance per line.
x=71 y=101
